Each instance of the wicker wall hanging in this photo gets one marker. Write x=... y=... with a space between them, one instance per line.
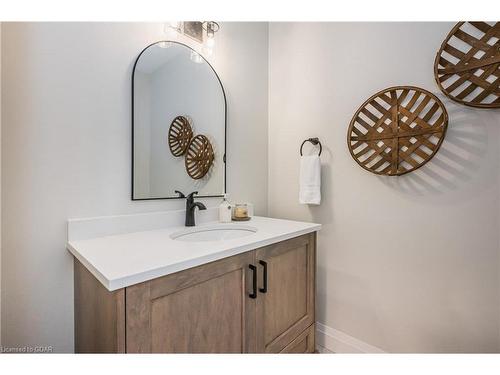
x=397 y=130
x=199 y=157
x=467 y=66
x=179 y=135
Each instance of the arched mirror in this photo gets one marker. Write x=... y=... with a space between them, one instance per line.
x=177 y=97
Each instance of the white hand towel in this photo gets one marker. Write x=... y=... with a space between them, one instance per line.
x=310 y=180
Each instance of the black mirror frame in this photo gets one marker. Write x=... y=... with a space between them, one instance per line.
x=224 y=157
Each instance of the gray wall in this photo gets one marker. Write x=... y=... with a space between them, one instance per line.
x=410 y=263
x=66 y=151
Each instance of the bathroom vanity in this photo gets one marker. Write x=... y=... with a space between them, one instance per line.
x=215 y=288
x=146 y=284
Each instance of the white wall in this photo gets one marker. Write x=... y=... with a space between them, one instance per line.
x=410 y=263
x=66 y=151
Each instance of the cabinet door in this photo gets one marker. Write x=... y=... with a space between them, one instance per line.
x=286 y=309
x=205 y=309
x=304 y=343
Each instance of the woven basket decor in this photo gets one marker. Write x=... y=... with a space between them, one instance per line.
x=467 y=66
x=179 y=135
x=199 y=157
x=397 y=130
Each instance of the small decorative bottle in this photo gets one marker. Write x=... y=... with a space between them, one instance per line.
x=225 y=211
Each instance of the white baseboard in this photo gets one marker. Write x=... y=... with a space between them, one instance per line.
x=337 y=341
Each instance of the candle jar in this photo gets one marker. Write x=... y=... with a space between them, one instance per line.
x=240 y=211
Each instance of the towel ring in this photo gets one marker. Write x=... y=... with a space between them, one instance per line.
x=314 y=141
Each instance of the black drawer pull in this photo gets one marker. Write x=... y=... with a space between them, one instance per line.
x=264 y=264
x=254 y=281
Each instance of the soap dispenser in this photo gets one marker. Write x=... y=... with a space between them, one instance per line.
x=225 y=211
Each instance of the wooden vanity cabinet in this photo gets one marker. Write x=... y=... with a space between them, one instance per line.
x=200 y=310
x=286 y=309
x=212 y=308
x=304 y=343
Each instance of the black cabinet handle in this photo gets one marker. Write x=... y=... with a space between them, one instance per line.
x=264 y=264
x=254 y=281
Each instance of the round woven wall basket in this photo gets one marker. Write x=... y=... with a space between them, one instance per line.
x=199 y=157
x=467 y=66
x=397 y=130
x=179 y=135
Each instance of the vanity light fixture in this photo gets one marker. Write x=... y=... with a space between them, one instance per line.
x=211 y=28
x=201 y=31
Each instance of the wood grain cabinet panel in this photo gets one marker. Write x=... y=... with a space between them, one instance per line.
x=201 y=310
x=99 y=315
x=304 y=343
x=206 y=309
x=204 y=318
x=286 y=309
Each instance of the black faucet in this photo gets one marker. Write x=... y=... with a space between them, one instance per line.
x=190 y=206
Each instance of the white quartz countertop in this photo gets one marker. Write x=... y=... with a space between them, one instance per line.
x=121 y=260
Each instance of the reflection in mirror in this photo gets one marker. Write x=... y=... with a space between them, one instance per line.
x=170 y=81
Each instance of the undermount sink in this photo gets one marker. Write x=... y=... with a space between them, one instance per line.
x=219 y=232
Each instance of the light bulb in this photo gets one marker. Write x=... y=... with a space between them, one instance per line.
x=210 y=42
x=208 y=46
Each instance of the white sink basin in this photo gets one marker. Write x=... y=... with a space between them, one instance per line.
x=220 y=232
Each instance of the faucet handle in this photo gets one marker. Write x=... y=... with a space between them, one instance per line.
x=190 y=196
x=181 y=194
